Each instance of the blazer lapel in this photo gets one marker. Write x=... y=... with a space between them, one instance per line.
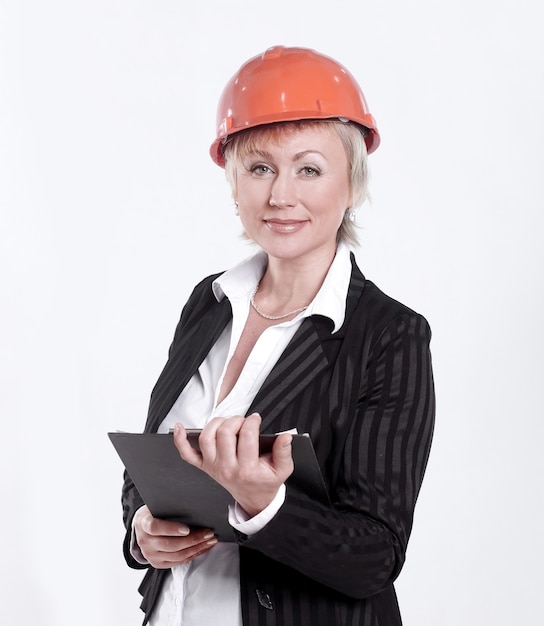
x=186 y=357
x=309 y=353
x=303 y=359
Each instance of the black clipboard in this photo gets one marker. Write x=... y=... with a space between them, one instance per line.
x=173 y=489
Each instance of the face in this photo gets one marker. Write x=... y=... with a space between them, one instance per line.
x=292 y=192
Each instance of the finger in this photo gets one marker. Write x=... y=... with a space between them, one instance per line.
x=200 y=549
x=207 y=440
x=185 y=449
x=177 y=544
x=226 y=439
x=282 y=456
x=162 y=559
x=165 y=528
x=166 y=559
x=144 y=521
x=248 y=440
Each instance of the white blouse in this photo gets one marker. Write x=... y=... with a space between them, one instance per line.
x=197 y=592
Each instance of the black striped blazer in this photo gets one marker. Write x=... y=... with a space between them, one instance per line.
x=365 y=395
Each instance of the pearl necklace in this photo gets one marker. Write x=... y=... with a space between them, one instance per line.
x=272 y=317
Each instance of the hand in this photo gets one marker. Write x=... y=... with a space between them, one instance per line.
x=229 y=453
x=165 y=543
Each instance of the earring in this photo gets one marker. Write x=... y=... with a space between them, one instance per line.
x=236 y=212
x=351 y=215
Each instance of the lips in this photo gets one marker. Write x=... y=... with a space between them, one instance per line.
x=285 y=226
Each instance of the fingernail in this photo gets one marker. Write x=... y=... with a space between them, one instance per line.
x=184 y=530
x=208 y=535
x=212 y=542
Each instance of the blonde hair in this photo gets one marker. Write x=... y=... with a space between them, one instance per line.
x=352 y=137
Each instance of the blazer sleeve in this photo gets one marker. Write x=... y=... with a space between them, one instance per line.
x=357 y=545
x=162 y=397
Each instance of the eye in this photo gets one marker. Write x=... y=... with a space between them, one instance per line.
x=310 y=171
x=259 y=169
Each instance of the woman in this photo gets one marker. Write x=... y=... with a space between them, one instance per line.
x=294 y=337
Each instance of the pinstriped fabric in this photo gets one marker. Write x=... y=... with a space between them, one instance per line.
x=370 y=415
x=292 y=374
x=365 y=395
x=182 y=362
x=196 y=327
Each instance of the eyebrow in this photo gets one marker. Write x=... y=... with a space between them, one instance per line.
x=297 y=156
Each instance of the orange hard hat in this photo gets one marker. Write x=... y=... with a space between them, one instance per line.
x=286 y=84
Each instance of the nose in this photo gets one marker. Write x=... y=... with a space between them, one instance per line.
x=283 y=192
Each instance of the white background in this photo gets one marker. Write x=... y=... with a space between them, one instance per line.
x=111 y=211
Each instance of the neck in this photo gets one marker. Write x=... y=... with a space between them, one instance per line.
x=288 y=286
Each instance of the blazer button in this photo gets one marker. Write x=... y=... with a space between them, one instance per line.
x=264 y=599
